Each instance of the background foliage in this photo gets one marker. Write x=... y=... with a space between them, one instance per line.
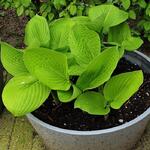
x=139 y=10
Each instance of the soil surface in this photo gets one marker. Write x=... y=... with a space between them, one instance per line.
x=65 y=116
x=12 y=28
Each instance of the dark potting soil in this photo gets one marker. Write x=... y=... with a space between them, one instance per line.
x=12 y=27
x=65 y=116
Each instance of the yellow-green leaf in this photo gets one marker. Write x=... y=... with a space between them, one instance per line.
x=50 y=67
x=67 y=96
x=12 y=59
x=121 y=87
x=37 y=32
x=99 y=70
x=24 y=94
x=93 y=103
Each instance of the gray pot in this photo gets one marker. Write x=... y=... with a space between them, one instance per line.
x=122 y=137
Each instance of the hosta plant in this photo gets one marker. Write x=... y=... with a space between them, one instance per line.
x=73 y=59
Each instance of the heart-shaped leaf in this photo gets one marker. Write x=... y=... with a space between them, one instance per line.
x=93 y=103
x=121 y=87
x=84 y=44
x=12 y=59
x=37 y=32
x=108 y=16
x=99 y=70
x=67 y=96
x=49 y=66
x=24 y=94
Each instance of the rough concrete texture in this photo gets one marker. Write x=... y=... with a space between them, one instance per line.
x=18 y=134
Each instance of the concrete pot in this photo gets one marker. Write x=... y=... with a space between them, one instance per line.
x=122 y=137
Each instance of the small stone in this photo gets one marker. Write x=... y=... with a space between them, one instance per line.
x=120 y=120
x=147 y=94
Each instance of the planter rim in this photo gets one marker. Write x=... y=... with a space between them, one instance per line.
x=94 y=132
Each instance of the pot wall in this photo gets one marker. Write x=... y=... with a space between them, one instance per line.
x=121 y=137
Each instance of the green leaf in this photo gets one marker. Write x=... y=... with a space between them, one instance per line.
x=126 y=4
x=99 y=70
x=121 y=87
x=74 y=68
x=93 y=103
x=73 y=9
x=84 y=44
x=67 y=96
x=119 y=33
x=132 y=14
x=49 y=66
x=59 y=33
x=59 y=3
x=132 y=43
x=83 y=20
x=24 y=94
x=50 y=16
x=20 y=10
x=12 y=59
x=60 y=30
x=148 y=10
x=26 y=3
x=107 y=16
x=142 y=3
x=37 y=32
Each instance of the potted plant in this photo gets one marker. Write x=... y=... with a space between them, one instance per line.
x=93 y=94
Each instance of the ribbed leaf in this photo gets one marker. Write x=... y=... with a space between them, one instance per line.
x=119 y=33
x=83 y=20
x=24 y=94
x=132 y=43
x=108 y=16
x=59 y=33
x=84 y=44
x=67 y=96
x=37 y=32
x=60 y=30
x=49 y=66
x=99 y=70
x=12 y=59
x=121 y=87
x=93 y=103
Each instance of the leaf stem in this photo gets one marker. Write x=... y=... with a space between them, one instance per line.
x=54 y=95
